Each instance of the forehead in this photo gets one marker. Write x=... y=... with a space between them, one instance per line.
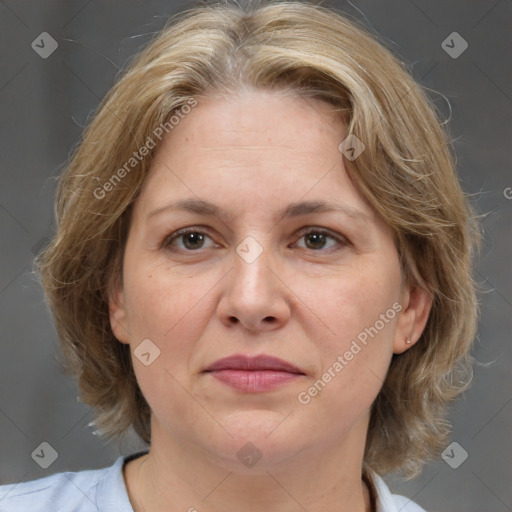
x=258 y=115
x=260 y=145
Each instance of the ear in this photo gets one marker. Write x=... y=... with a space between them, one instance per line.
x=118 y=315
x=416 y=305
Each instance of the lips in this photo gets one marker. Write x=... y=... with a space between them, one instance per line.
x=255 y=363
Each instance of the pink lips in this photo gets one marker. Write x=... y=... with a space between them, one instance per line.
x=254 y=374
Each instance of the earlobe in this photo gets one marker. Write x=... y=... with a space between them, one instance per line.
x=416 y=307
x=118 y=316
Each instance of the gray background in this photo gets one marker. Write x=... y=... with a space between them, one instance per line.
x=46 y=102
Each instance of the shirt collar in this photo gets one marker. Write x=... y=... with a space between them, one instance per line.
x=381 y=495
x=384 y=501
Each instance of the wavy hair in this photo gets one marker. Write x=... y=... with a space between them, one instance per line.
x=407 y=173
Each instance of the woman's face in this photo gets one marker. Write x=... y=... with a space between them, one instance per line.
x=267 y=273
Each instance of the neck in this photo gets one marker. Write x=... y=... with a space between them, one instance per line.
x=185 y=477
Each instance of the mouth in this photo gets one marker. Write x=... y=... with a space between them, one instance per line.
x=260 y=363
x=254 y=374
x=254 y=381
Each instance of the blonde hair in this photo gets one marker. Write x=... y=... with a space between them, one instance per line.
x=406 y=172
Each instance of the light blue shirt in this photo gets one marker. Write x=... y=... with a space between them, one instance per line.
x=104 y=490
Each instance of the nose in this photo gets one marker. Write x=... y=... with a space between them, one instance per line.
x=255 y=295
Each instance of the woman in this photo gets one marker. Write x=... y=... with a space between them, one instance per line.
x=263 y=264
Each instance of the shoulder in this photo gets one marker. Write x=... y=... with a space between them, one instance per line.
x=79 y=491
x=387 y=502
x=73 y=490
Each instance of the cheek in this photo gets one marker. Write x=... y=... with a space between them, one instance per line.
x=355 y=340
x=170 y=313
x=347 y=303
x=159 y=302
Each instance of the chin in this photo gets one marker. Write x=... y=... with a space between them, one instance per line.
x=257 y=434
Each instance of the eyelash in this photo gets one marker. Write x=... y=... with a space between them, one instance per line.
x=304 y=232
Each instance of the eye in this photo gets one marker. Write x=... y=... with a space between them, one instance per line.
x=192 y=238
x=316 y=239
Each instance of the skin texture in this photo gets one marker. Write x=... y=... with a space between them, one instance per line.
x=304 y=299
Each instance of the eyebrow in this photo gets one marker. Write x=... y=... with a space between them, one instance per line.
x=297 y=209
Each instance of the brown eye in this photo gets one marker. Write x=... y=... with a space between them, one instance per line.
x=192 y=240
x=316 y=239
